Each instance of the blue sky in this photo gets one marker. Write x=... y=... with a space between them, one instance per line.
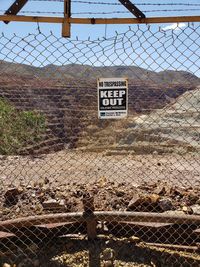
x=94 y=31
x=156 y=49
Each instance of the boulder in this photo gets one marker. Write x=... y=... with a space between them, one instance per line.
x=11 y=196
x=165 y=204
x=195 y=209
x=53 y=204
x=143 y=203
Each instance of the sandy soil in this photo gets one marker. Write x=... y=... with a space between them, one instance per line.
x=76 y=166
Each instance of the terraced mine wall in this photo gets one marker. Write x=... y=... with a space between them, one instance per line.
x=69 y=109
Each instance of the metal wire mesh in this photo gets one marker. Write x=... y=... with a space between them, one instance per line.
x=79 y=191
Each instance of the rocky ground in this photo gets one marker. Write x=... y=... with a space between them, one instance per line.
x=56 y=183
x=106 y=252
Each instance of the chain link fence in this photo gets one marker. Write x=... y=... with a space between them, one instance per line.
x=76 y=190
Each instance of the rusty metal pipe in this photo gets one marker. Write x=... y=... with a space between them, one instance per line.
x=110 y=216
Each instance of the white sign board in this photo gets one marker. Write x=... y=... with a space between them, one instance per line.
x=112 y=98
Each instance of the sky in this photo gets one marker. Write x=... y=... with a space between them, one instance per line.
x=164 y=46
x=94 y=31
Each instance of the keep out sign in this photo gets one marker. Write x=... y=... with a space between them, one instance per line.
x=112 y=98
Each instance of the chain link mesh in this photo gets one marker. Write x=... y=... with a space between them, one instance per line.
x=79 y=191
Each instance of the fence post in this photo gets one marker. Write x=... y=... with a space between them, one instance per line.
x=67 y=14
x=88 y=205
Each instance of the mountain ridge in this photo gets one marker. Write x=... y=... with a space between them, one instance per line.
x=77 y=71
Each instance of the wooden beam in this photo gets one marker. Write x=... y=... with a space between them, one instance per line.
x=152 y=20
x=66 y=26
x=132 y=8
x=15 y=8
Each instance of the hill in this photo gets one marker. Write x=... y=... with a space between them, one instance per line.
x=173 y=129
x=86 y=72
x=67 y=96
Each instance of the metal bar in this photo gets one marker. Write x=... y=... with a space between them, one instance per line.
x=15 y=8
x=132 y=8
x=109 y=216
x=100 y=20
x=66 y=26
x=173 y=247
x=42 y=219
x=127 y=216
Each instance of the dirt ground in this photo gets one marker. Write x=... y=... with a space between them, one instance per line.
x=105 y=252
x=27 y=183
x=153 y=183
x=71 y=166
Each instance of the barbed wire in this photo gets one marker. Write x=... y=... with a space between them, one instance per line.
x=104 y=13
x=114 y=11
x=37 y=12
x=126 y=12
x=118 y=4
